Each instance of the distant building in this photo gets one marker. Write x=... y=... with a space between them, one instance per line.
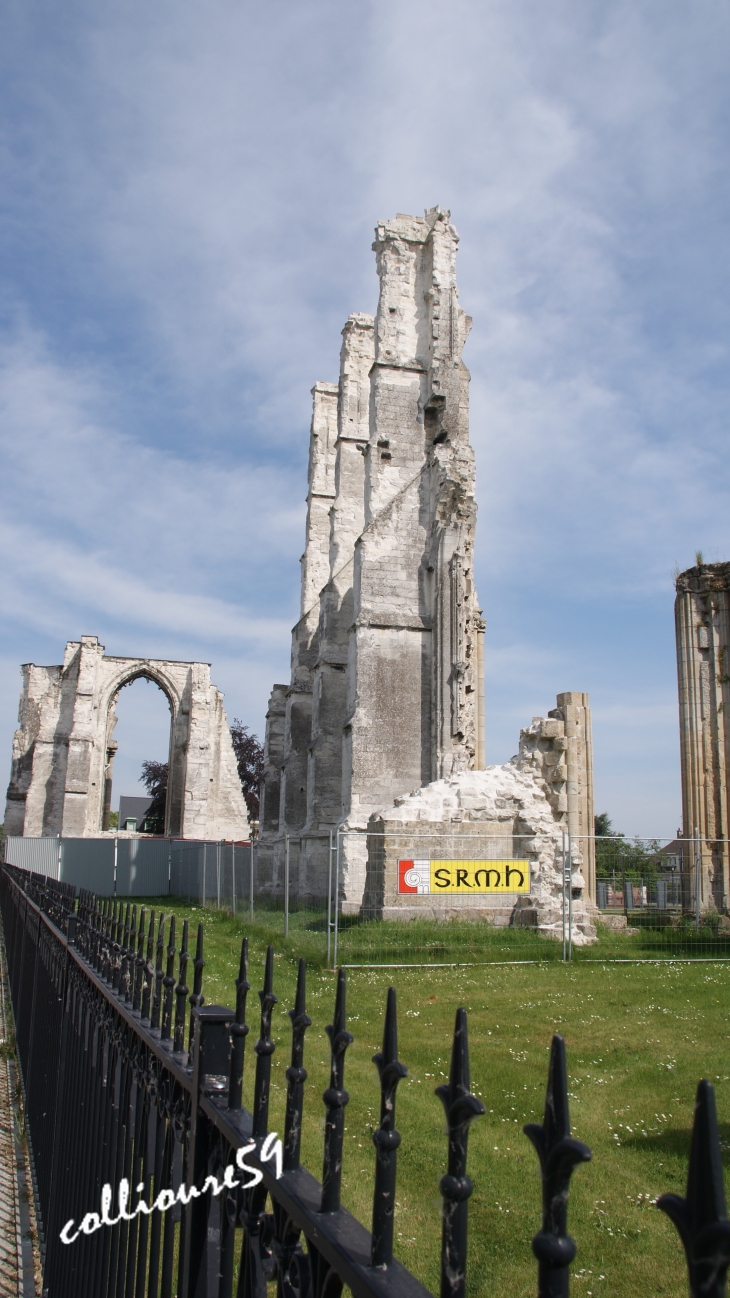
x=675 y=856
x=132 y=815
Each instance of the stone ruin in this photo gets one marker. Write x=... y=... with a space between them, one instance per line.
x=381 y=726
x=702 y=619
x=63 y=752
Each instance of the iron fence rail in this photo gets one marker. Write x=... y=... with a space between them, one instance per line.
x=118 y=1091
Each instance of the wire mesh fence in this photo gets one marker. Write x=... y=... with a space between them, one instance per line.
x=212 y=874
x=362 y=898
x=660 y=898
x=371 y=898
x=434 y=899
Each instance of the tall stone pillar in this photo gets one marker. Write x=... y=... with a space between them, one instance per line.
x=574 y=710
x=702 y=619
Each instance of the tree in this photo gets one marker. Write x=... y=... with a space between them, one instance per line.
x=617 y=854
x=250 y=761
x=154 y=778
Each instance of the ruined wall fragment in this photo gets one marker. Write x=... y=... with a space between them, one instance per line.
x=63 y=750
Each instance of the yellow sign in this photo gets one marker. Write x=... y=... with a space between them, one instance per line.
x=463 y=877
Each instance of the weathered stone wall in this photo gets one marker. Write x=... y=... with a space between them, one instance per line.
x=525 y=810
x=702 y=617
x=63 y=751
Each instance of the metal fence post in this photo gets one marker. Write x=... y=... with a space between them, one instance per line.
x=286 y=889
x=116 y=847
x=329 y=904
x=623 y=883
x=218 y=873
x=210 y=1052
x=698 y=878
x=337 y=896
x=252 y=846
x=233 y=877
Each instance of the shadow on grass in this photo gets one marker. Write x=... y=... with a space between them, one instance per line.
x=658 y=943
x=675 y=1141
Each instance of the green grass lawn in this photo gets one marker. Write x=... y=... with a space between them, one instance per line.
x=639 y=1037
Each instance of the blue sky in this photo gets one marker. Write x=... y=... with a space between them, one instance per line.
x=188 y=198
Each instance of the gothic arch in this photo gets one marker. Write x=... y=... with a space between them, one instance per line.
x=142 y=670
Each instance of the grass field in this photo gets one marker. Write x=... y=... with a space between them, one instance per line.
x=639 y=1037
x=436 y=941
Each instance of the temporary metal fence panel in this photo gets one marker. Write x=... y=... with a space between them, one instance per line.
x=143 y=866
x=184 y=881
x=660 y=898
x=213 y=874
x=40 y=854
x=337 y=894
x=88 y=863
x=292 y=885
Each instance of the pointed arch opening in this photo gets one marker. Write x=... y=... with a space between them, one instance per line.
x=139 y=730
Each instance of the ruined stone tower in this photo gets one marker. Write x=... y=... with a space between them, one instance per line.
x=382 y=722
x=702 y=615
x=385 y=691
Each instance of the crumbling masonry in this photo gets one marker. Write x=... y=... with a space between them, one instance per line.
x=63 y=752
x=702 y=615
x=386 y=694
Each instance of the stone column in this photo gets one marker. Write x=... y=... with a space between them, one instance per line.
x=574 y=708
x=702 y=619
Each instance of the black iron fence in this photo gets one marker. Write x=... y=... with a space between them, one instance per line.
x=130 y=1094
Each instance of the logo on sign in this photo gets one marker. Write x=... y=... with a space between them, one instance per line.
x=429 y=877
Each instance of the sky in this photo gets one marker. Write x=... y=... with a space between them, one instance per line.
x=187 y=208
